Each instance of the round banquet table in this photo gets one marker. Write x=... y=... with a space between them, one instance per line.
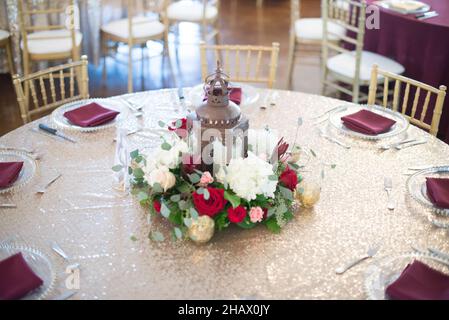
x=93 y=222
x=421 y=46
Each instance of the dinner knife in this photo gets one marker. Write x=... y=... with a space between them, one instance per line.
x=427 y=15
x=55 y=132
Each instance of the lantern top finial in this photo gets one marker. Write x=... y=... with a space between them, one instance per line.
x=218 y=109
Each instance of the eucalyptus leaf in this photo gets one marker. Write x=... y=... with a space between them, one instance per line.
x=286 y=193
x=142 y=196
x=166 y=146
x=178 y=123
x=161 y=124
x=157 y=188
x=157 y=236
x=187 y=222
x=273 y=177
x=206 y=194
x=193 y=213
x=178 y=232
x=165 y=211
x=183 y=205
x=194 y=178
x=333 y=166
x=138 y=173
x=134 y=154
x=175 y=198
x=133 y=238
x=117 y=168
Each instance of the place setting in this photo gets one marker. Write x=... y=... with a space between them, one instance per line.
x=16 y=170
x=430 y=189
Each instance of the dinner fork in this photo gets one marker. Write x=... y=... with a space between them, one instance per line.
x=370 y=253
x=388 y=186
x=410 y=144
x=332 y=139
x=43 y=189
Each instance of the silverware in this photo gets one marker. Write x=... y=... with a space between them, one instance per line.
x=55 y=132
x=393 y=145
x=426 y=15
x=48 y=184
x=136 y=110
x=388 y=186
x=56 y=248
x=419 y=168
x=323 y=114
x=8 y=206
x=66 y=295
x=416 y=143
x=332 y=139
x=371 y=252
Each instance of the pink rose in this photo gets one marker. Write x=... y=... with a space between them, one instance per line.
x=206 y=178
x=256 y=214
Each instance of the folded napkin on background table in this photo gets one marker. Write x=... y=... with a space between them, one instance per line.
x=90 y=115
x=367 y=122
x=16 y=278
x=9 y=172
x=418 y=281
x=438 y=191
x=407 y=5
x=235 y=95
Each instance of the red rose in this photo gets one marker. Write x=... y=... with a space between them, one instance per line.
x=213 y=205
x=289 y=178
x=236 y=215
x=182 y=130
x=157 y=206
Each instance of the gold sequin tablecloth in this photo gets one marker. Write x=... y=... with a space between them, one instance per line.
x=93 y=223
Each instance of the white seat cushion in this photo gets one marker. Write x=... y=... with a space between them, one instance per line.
x=51 y=42
x=3 y=34
x=143 y=27
x=187 y=10
x=344 y=64
x=312 y=29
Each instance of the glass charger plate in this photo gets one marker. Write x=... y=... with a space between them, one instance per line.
x=388 y=4
x=27 y=172
x=416 y=187
x=62 y=122
x=250 y=94
x=38 y=262
x=382 y=273
x=399 y=127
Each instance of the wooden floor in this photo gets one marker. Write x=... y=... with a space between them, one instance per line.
x=241 y=22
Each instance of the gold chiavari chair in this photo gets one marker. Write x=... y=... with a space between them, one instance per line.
x=203 y=12
x=5 y=42
x=242 y=63
x=307 y=33
x=349 y=67
x=49 y=40
x=51 y=88
x=402 y=100
x=146 y=21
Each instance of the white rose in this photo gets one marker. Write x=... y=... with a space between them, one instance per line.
x=163 y=176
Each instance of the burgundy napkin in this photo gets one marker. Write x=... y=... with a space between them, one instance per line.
x=438 y=191
x=9 y=171
x=418 y=281
x=90 y=115
x=235 y=95
x=367 y=122
x=16 y=278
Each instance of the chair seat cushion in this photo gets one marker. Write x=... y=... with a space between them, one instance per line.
x=187 y=10
x=312 y=29
x=4 y=35
x=143 y=27
x=344 y=64
x=51 y=42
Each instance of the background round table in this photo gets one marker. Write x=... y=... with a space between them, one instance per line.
x=421 y=46
x=94 y=223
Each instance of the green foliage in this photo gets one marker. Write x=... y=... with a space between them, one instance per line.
x=117 y=168
x=272 y=225
x=232 y=198
x=221 y=220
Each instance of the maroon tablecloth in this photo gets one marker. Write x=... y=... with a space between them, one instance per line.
x=421 y=46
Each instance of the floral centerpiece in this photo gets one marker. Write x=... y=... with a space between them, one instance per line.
x=247 y=192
